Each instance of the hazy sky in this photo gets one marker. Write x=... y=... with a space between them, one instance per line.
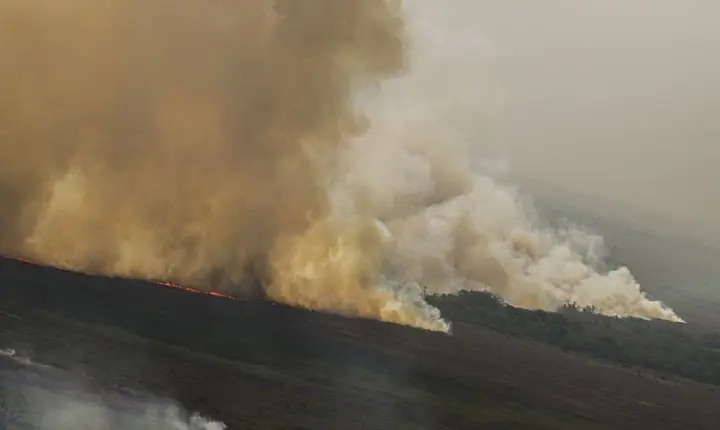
x=615 y=98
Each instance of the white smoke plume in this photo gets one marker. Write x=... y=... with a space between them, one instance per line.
x=52 y=411
x=452 y=228
x=206 y=144
x=449 y=226
x=44 y=397
x=47 y=408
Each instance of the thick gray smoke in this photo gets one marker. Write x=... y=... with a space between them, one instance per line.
x=204 y=142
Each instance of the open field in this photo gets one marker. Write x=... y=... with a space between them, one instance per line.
x=262 y=365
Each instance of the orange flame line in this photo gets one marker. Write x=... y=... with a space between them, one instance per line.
x=155 y=281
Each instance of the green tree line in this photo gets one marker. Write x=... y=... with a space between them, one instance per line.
x=662 y=346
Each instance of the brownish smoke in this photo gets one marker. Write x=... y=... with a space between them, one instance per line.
x=178 y=139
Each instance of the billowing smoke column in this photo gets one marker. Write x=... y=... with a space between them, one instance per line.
x=210 y=143
x=456 y=230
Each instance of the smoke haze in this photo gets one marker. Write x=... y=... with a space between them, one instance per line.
x=613 y=101
x=47 y=398
x=210 y=143
x=47 y=410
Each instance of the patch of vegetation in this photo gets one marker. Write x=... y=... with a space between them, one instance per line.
x=662 y=346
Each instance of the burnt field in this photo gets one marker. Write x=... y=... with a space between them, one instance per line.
x=260 y=365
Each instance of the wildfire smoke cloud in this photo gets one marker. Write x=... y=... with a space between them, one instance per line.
x=178 y=139
x=207 y=142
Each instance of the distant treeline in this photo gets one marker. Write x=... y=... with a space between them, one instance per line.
x=658 y=345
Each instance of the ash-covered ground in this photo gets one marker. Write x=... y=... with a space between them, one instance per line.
x=256 y=364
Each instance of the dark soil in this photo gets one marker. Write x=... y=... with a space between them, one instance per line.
x=260 y=365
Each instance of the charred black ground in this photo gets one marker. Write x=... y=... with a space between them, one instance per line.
x=255 y=364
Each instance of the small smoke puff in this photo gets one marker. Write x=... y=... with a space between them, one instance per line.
x=46 y=409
